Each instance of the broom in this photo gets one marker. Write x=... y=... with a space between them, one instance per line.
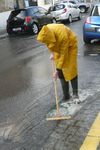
x=58 y=115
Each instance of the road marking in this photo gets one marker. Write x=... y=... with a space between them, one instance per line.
x=92 y=141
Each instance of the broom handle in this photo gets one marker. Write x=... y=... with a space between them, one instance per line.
x=55 y=88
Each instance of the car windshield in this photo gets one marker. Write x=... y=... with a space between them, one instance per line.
x=95 y=11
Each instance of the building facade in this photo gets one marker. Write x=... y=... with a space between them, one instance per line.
x=46 y=3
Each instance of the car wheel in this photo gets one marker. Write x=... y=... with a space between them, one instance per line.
x=86 y=40
x=54 y=20
x=83 y=9
x=70 y=18
x=35 y=28
x=80 y=16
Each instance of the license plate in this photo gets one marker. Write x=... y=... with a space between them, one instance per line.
x=16 y=29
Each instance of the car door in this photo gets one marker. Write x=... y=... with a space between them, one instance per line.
x=76 y=10
x=71 y=10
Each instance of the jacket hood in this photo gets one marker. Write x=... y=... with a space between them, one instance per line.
x=46 y=36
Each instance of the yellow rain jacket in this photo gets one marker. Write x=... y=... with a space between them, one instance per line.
x=62 y=42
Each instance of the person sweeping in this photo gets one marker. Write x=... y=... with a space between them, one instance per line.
x=63 y=46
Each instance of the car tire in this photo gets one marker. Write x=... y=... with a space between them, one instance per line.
x=70 y=19
x=83 y=9
x=35 y=28
x=80 y=16
x=54 y=20
x=86 y=40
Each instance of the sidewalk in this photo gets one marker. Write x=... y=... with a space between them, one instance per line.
x=3 y=19
x=70 y=134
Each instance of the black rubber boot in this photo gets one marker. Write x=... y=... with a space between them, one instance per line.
x=65 y=88
x=74 y=83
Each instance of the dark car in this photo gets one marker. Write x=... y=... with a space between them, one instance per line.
x=91 y=26
x=28 y=20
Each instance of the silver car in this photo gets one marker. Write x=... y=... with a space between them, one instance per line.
x=84 y=7
x=65 y=11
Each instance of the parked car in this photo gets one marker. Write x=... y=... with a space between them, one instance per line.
x=65 y=11
x=30 y=19
x=91 y=27
x=84 y=7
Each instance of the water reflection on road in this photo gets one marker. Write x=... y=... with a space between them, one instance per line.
x=25 y=92
x=92 y=49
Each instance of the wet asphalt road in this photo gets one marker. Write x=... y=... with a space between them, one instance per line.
x=26 y=88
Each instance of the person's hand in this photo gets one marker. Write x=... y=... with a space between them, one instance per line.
x=51 y=57
x=55 y=75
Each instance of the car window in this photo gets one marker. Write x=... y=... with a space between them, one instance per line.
x=32 y=11
x=42 y=10
x=59 y=7
x=21 y=14
x=96 y=11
